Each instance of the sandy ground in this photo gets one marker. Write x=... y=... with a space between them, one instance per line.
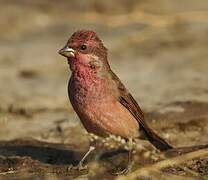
x=158 y=49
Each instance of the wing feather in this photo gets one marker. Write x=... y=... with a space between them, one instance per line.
x=127 y=100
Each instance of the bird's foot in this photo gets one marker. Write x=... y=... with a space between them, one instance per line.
x=125 y=171
x=79 y=167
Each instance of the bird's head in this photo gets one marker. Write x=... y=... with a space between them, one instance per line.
x=85 y=49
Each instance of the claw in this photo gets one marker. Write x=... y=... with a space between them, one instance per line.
x=80 y=167
x=123 y=172
x=69 y=168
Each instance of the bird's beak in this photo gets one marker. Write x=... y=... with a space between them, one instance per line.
x=67 y=52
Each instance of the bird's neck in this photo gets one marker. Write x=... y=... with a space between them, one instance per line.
x=83 y=75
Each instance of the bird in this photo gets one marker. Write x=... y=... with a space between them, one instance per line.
x=99 y=98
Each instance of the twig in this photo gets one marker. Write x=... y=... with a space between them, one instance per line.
x=165 y=163
x=187 y=170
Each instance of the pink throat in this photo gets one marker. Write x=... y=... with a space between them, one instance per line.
x=83 y=74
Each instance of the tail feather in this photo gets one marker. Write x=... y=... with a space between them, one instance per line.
x=156 y=140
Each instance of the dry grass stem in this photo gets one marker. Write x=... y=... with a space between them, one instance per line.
x=166 y=163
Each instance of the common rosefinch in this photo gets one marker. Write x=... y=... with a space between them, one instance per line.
x=99 y=98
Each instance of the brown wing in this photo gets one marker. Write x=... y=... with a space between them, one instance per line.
x=126 y=99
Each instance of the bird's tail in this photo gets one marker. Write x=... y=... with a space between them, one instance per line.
x=156 y=140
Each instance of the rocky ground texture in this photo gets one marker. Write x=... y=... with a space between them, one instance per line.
x=158 y=49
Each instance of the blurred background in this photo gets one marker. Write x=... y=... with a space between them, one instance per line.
x=158 y=48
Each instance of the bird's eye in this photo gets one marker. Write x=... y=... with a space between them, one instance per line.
x=83 y=47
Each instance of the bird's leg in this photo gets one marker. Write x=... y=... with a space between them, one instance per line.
x=80 y=165
x=130 y=159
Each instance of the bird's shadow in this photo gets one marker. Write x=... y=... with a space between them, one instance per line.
x=50 y=153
